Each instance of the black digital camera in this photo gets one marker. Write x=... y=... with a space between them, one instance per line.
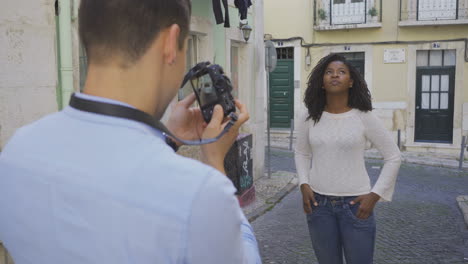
x=211 y=87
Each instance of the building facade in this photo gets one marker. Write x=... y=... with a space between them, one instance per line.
x=43 y=62
x=412 y=53
x=28 y=72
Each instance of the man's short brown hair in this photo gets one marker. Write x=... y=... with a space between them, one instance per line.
x=128 y=27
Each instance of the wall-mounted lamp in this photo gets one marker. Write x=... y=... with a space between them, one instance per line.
x=246 y=30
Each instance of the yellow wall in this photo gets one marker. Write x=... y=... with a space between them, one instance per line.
x=387 y=32
x=287 y=18
x=433 y=32
x=389 y=80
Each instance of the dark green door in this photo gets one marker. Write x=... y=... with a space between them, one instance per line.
x=282 y=94
x=434 y=104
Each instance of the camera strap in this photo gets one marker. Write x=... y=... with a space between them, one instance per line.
x=126 y=112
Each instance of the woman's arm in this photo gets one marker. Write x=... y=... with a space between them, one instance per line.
x=303 y=158
x=383 y=141
x=303 y=151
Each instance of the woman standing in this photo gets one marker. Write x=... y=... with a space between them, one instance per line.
x=337 y=194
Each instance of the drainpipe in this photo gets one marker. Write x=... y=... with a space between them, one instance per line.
x=65 y=50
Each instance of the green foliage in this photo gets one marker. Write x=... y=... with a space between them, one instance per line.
x=322 y=14
x=373 y=12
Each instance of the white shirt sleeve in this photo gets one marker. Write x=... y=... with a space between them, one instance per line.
x=218 y=231
x=303 y=150
x=382 y=140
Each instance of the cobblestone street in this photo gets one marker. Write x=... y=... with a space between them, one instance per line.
x=423 y=224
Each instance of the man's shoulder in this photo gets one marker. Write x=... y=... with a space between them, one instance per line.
x=30 y=131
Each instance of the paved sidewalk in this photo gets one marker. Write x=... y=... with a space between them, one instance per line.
x=269 y=191
x=462 y=201
x=422 y=225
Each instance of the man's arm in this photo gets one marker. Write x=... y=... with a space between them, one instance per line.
x=187 y=123
x=218 y=231
x=213 y=154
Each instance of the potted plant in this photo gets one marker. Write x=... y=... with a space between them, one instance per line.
x=373 y=13
x=322 y=15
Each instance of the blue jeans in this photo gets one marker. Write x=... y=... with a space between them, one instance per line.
x=335 y=230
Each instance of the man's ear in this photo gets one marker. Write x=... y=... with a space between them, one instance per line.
x=171 y=43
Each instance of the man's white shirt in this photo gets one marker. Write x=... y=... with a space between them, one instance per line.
x=78 y=187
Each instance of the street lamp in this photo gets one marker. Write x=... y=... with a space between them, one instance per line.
x=246 y=30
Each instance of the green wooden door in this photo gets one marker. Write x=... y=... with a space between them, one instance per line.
x=282 y=94
x=434 y=104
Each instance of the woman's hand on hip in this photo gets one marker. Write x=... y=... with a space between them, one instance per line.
x=307 y=197
x=367 y=204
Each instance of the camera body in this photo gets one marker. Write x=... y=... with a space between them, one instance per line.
x=213 y=87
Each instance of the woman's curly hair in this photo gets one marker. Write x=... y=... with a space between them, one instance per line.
x=315 y=97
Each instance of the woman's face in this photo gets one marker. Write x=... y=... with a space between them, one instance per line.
x=337 y=78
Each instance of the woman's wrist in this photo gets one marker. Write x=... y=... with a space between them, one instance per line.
x=375 y=196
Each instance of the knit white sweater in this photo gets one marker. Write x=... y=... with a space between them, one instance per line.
x=336 y=147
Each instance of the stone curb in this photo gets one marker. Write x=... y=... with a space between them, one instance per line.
x=462 y=201
x=271 y=202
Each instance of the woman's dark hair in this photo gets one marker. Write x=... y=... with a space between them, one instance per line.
x=315 y=97
x=128 y=27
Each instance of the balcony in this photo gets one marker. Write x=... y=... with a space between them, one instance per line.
x=347 y=14
x=433 y=12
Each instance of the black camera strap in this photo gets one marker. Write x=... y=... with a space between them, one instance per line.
x=125 y=112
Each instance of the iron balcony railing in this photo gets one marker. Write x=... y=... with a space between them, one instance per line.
x=433 y=10
x=347 y=12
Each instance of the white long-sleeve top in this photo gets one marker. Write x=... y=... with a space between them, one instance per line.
x=330 y=154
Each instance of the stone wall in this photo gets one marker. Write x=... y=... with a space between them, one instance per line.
x=28 y=72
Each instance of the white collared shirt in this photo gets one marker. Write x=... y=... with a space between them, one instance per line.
x=78 y=187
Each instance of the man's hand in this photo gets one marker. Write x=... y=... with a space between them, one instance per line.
x=307 y=198
x=367 y=205
x=186 y=122
x=213 y=154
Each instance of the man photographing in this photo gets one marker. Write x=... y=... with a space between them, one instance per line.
x=81 y=187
